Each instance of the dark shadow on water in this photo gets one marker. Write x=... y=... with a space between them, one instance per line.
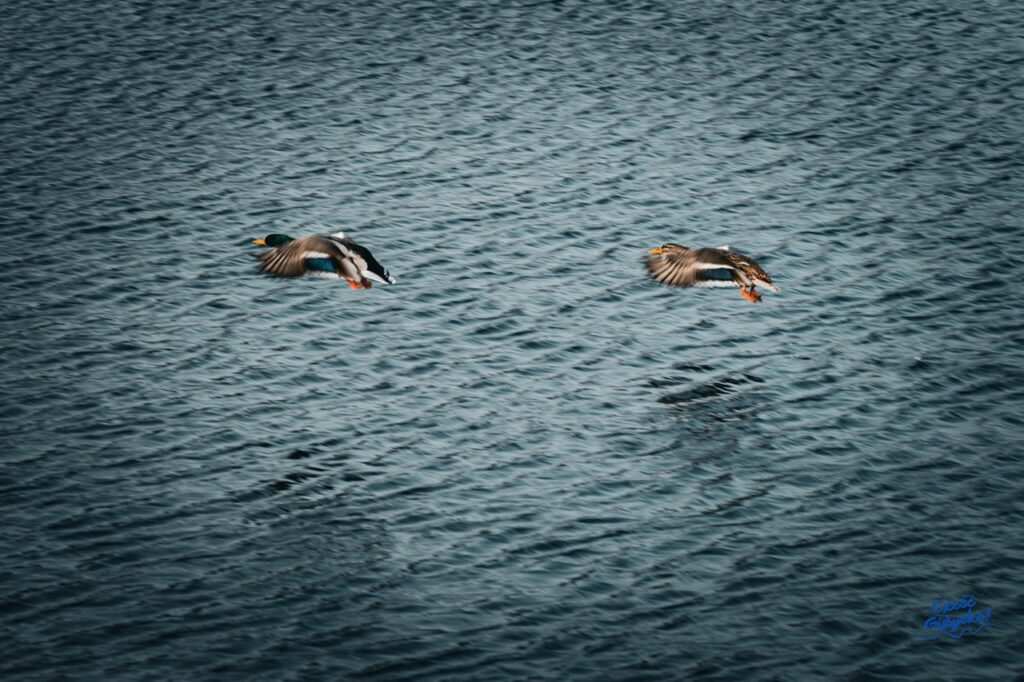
x=702 y=392
x=710 y=414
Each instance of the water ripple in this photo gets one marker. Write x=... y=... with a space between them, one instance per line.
x=525 y=460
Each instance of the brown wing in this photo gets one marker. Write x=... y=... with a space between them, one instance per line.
x=290 y=260
x=691 y=268
x=747 y=265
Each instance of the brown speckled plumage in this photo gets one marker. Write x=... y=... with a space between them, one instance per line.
x=706 y=267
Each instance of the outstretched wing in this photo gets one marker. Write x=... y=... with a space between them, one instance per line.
x=695 y=268
x=749 y=266
x=363 y=260
x=291 y=259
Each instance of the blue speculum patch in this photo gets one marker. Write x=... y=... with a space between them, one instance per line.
x=320 y=264
x=723 y=275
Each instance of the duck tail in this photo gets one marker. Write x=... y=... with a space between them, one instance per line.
x=384 y=277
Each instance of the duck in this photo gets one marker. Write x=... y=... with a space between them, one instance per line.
x=708 y=267
x=334 y=256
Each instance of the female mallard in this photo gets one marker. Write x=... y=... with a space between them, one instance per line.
x=719 y=267
x=333 y=256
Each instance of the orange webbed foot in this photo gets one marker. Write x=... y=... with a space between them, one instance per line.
x=354 y=284
x=367 y=284
x=751 y=295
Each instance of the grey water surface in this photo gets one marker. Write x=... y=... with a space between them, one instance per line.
x=524 y=460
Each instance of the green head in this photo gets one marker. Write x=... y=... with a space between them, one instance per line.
x=273 y=240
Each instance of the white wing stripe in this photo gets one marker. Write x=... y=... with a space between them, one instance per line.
x=712 y=266
x=714 y=283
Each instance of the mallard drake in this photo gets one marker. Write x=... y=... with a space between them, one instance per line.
x=705 y=267
x=334 y=256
